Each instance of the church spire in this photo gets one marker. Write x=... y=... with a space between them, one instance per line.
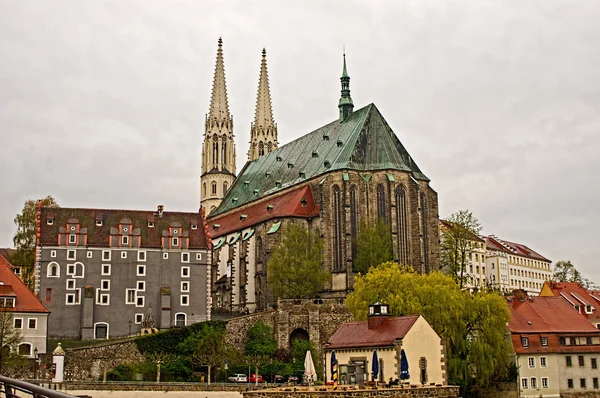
x=263 y=133
x=219 y=108
x=346 y=105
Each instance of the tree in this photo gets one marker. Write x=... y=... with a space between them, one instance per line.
x=207 y=347
x=373 y=246
x=260 y=345
x=565 y=271
x=24 y=239
x=472 y=326
x=9 y=340
x=459 y=237
x=295 y=267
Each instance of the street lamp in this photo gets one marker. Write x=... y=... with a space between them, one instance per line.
x=130 y=327
x=35 y=355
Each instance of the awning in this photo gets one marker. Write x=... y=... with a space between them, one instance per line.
x=274 y=227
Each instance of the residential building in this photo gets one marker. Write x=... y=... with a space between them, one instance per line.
x=6 y=254
x=111 y=273
x=355 y=342
x=584 y=301
x=517 y=266
x=556 y=349
x=352 y=170
x=29 y=315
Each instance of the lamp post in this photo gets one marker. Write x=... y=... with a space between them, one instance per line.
x=35 y=355
x=130 y=327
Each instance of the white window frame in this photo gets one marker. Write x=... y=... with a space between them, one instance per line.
x=524 y=383
x=150 y=224
x=25 y=343
x=544 y=382
x=531 y=362
x=107 y=329
x=104 y=255
x=543 y=362
x=89 y=254
x=143 y=298
x=69 y=266
x=591 y=309
x=185 y=286
x=175 y=242
x=35 y=321
x=50 y=266
x=127 y=291
x=188 y=272
x=15 y=321
x=125 y=240
x=198 y=256
x=102 y=270
x=72 y=238
x=186 y=298
x=141 y=255
x=123 y=254
x=137 y=270
x=185 y=254
x=532 y=381
x=165 y=256
x=194 y=226
x=73 y=252
x=52 y=253
x=82 y=270
x=143 y=284
x=184 y=318
x=75 y=296
x=73 y=281
x=102 y=282
x=100 y=295
x=98 y=223
x=140 y=316
x=50 y=221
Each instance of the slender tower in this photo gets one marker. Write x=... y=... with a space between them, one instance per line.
x=263 y=132
x=218 y=149
x=346 y=105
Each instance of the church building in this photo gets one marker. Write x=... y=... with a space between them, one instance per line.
x=352 y=170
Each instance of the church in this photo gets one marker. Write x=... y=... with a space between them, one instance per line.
x=352 y=170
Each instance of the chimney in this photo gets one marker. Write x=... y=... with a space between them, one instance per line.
x=159 y=210
x=378 y=315
x=520 y=294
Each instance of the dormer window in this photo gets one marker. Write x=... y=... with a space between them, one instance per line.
x=7 y=302
x=72 y=239
x=98 y=223
x=525 y=341
x=301 y=174
x=50 y=221
x=175 y=242
x=303 y=202
x=278 y=159
x=339 y=143
x=194 y=226
x=125 y=240
x=278 y=183
x=588 y=309
x=327 y=164
x=246 y=183
x=255 y=192
x=325 y=137
x=216 y=226
x=269 y=207
x=315 y=154
x=243 y=217
x=290 y=165
x=150 y=224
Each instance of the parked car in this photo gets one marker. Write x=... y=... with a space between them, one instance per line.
x=293 y=379
x=278 y=379
x=253 y=378
x=238 y=378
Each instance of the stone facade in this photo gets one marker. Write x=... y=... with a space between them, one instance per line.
x=410 y=392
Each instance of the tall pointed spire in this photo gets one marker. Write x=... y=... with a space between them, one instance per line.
x=263 y=133
x=345 y=105
x=219 y=108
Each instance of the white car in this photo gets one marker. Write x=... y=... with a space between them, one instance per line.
x=238 y=378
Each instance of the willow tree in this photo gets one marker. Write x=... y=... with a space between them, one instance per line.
x=472 y=326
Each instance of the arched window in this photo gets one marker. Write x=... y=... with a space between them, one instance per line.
x=204 y=189
x=213 y=188
x=269 y=147
x=261 y=149
x=225 y=186
x=53 y=270
x=215 y=156
x=100 y=330
x=353 y=218
x=79 y=270
x=337 y=229
x=259 y=250
x=402 y=223
x=224 y=150
x=381 y=208
x=425 y=233
x=25 y=349
x=180 y=319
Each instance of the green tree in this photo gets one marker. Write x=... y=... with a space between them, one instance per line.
x=565 y=271
x=295 y=267
x=459 y=237
x=373 y=246
x=260 y=345
x=9 y=340
x=472 y=326
x=207 y=347
x=24 y=239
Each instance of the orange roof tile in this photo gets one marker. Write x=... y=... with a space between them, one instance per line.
x=12 y=286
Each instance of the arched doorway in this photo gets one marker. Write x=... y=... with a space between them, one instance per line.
x=298 y=334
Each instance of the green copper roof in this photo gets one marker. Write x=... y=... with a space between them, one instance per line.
x=274 y=227
x=220 y=242
x=363 y=142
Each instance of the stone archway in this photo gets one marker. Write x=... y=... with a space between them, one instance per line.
x=299 y=334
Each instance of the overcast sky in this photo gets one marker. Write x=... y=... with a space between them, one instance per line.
x=102 y=103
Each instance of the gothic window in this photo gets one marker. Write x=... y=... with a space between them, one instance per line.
x=225 y=188
x=381 y=207
x=259 y=252
x=224 y=150
x=353 y=218
x=203 y=189
x=402 y=223
x=337 y=229
x=269 y=147
x=424 y=232
x=215 y=154
x=261 y=149
x=213 y=187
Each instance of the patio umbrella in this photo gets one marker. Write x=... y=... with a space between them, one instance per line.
x=310 y=375
x=375 y=366
x=334 y=370
x=404 y=375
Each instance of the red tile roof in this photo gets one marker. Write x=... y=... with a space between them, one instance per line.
x=4 y=258
x=288 y=204
x=575 y=294
x=12 y=286
x=358 y=334
x=98 y=236
x=517 y=249
x=447 y=224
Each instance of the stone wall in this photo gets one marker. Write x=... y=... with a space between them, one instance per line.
x=89 y=363
x=419 y=392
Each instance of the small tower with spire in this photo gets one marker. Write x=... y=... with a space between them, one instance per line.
x=218 y=149
x=263 y=132
x=346 y=105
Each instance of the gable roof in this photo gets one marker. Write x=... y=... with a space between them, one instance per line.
x=12 y=286
x=452 y=226
x=289 y=204
x=517 y=249
x=358 y=334
x=4 y=257
x=98 y=236
x=363 y=141
x=575 y=294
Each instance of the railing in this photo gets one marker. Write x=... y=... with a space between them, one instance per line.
x=10 y=387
